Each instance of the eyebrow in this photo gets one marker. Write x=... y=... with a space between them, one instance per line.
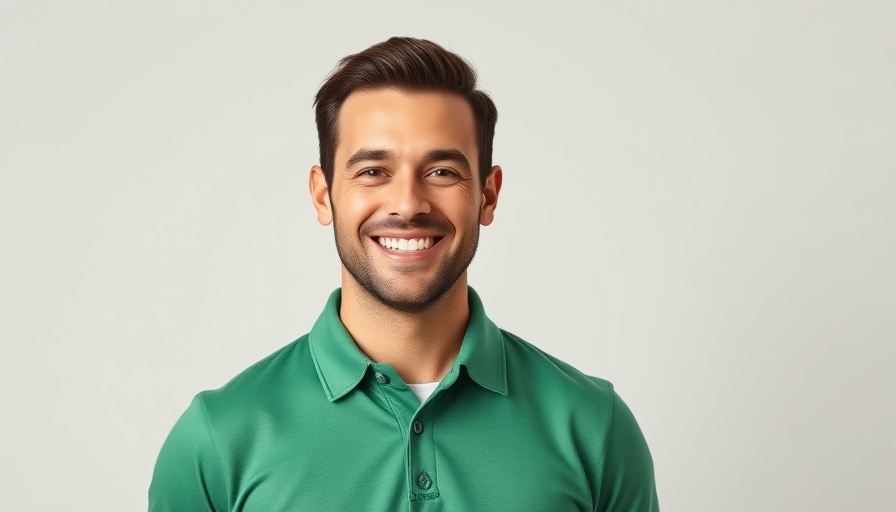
x=452 y=154
x=365 y=154
x=433 y=155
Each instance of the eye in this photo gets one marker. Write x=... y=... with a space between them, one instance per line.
x=373 y=172
x=443 y=173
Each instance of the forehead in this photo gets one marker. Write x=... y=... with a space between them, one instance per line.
x=407 y=123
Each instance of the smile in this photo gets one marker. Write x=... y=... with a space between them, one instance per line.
x=406 y=244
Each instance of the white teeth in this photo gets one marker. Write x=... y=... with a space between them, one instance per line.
x=405 y=244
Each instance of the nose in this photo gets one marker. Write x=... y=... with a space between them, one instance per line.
x=407 y=197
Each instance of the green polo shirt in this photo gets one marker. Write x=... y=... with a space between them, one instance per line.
x=317 y=426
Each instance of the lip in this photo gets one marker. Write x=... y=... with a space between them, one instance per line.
x=406 y=234
x=407 y=255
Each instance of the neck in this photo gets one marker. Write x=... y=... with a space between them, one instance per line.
x=420 y=345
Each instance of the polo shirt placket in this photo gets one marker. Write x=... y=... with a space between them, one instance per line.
x=414 y=424
x=422 y=460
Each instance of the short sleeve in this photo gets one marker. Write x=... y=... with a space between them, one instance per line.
x=188 y=474
x=628 y=483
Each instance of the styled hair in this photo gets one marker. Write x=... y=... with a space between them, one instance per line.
x=408 y=64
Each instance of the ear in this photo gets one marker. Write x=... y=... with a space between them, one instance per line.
x=320 y=195
x=490 y=195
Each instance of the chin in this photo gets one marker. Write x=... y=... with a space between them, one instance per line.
x=407 y=300
x=406 y=304
x=410 y=297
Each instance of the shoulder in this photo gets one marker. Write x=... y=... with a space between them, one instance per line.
x=564 y=387
x=523 y=356
x=264 y=384
x=194 y=465
x=586 y=413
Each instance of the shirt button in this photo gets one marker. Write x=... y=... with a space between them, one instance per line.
x=424 y=481
x=418 y=427
x=382 y=378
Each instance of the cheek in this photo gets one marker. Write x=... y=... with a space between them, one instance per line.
x=462 y=210
x=355 y=209
x=361 y=204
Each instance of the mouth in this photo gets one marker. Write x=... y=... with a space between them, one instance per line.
x=407 y=244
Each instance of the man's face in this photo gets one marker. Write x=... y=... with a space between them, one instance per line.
x=405 y=198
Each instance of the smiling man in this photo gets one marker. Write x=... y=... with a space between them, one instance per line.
x=404 y=395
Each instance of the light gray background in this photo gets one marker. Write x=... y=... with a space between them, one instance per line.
x=698 y=206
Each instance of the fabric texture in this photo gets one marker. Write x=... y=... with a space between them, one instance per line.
x=318 y=426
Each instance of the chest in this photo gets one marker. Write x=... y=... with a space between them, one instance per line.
x=433 y=459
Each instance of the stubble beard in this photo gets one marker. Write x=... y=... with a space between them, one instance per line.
x=359 y=264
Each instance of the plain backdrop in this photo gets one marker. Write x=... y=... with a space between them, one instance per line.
x=698 y=206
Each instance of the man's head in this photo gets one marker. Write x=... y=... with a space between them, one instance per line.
x=406 y=174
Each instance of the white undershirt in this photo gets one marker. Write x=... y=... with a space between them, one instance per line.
x=423 y=390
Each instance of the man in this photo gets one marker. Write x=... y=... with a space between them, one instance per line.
x=404 y=395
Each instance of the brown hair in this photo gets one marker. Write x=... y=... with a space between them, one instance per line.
x=409 y=64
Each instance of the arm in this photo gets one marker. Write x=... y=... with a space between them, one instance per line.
x=628 y=483
x=188 y=473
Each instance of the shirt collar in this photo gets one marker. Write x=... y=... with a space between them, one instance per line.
x=482 y=350
x=341 y=365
